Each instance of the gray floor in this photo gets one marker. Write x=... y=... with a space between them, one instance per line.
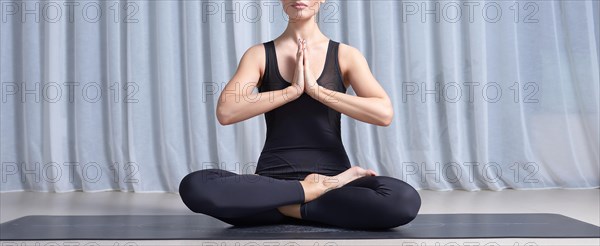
x=583 y=205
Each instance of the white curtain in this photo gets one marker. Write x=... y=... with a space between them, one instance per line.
x=121 y=95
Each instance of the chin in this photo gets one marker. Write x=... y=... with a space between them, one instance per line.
x=300 y=15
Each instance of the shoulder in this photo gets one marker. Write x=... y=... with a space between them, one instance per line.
x=349 y=57
x=348 y=51
x=256 y=49
x=254 y=56
x=255 y=53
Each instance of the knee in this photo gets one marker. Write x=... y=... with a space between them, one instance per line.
x=408 y=202
x=193 y=190
x=404 y=202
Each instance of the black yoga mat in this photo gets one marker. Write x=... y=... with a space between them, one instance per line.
x=201 y=227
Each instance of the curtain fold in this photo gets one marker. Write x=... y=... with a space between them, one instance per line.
x=121 y=95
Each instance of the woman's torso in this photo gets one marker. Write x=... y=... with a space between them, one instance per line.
x=303 y=136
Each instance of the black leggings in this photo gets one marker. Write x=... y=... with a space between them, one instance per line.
x=370 y=202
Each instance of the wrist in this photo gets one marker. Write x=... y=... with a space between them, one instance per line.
x=292 y=92
x=313 y=89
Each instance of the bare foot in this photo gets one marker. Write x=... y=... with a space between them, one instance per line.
x=348 y=176
x=316 y=184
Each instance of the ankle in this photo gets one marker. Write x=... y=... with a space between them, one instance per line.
x=291 y=210
x=314 y=185
x=309 y=190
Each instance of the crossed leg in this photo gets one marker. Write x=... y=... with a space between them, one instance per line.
x=239 y=199
x=369 y=202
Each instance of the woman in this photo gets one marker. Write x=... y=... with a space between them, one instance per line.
x=303 y=173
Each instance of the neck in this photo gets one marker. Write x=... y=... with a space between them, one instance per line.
x=305 y=29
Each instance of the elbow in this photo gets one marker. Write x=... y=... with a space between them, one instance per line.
x=386 y=117
x=223 y=116
x=223 y=122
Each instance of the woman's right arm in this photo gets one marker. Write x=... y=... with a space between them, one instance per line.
x=238 y=103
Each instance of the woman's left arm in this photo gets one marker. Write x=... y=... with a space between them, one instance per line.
x=371 y=103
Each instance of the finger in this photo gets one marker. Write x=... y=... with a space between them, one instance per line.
x=305 y=45
x=299 y=48
x=305 y=52
x=302 y=50
x=306 y=48
x=300 y=62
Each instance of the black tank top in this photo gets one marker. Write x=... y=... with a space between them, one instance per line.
x=303 y=136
